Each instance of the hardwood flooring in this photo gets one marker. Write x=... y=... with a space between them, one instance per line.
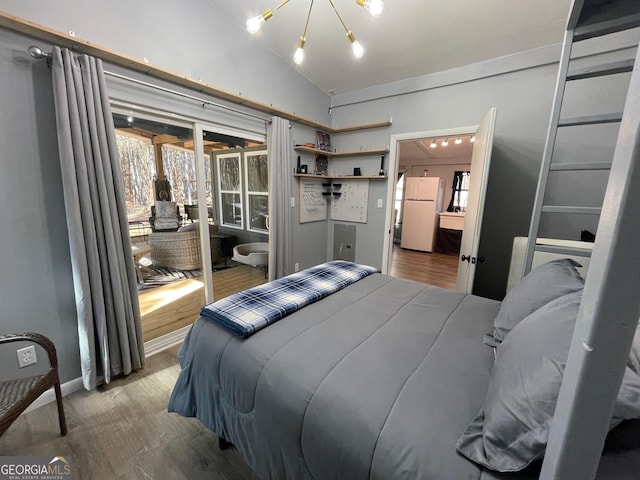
x=432 y=268
x=123 y=431
x=173 y=306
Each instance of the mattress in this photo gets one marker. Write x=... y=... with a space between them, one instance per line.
x=376 y=381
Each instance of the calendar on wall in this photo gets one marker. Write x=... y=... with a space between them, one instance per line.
x=313 y=205
x=352 y=203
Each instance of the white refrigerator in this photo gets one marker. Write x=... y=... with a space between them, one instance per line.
x=422 y=205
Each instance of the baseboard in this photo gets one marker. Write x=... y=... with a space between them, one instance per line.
x=167 y=340
x=49 y=396
x=151 y=347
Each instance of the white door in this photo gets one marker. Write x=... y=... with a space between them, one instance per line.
x=480 y=162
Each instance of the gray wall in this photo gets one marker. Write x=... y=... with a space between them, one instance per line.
x=36 y=284
x=36 y=288
x=521 y=87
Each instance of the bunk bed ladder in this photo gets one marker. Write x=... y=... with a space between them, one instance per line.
x=588 y=19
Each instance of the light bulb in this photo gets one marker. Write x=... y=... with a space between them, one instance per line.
x=358 y=49
x=445 y=142
x=254 y=24
x=472 y=139
x=298 y=57
x=433 y=144
x=458 y=141
x=374 y=6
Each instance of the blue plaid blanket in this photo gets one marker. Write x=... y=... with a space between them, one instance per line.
x=244 y=313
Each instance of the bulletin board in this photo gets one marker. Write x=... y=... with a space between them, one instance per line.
x=353 y=203
x=313 y=205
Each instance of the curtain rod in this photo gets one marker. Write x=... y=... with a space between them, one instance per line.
x=38 y=53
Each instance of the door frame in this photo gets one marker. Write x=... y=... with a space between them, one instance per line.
x=393 y=173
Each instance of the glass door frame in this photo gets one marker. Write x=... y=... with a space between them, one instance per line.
x=198 y=128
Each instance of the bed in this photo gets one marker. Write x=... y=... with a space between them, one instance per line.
x=379 y=380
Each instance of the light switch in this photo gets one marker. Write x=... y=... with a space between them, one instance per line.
x=379 y=203
x=293 y=201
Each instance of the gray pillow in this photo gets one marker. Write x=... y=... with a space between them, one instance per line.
x=512 y=427
x=543 y=284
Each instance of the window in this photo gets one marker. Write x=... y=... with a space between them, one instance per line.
x=257 y=183
x=138 y=169
x=230 y=189
x=460 y=192
x=179 y=166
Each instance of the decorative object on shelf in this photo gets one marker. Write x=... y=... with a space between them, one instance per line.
x=298 y=167
x=323 y=141
x=303 y=168
x=356 y=172
x=374 y=6
x=322 y=164
x=381 y=172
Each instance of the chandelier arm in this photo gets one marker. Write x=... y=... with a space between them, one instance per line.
x=304 y=34
x=281 y=4
x=339 y=17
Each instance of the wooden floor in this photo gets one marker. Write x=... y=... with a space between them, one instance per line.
x=173 y=306
x=124 y=432
x=432 y=268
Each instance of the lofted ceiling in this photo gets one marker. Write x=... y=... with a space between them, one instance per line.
x=411 y=38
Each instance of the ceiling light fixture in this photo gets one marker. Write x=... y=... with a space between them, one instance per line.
x=445 y=142
x=254 y=23
x=433 y=144
x=298 y=57
x=472 y=139
x=356 y=47
x=458 y=141
x=374 y=7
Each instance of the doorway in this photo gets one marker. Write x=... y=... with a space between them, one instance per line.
x=480 y=160
x=163 y=165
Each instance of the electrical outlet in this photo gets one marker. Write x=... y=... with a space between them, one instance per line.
x=379 y=203
x=293 y=201
x=26 y=356
x=296 y=267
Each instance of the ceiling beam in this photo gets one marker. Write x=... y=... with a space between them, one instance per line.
x=164 y=138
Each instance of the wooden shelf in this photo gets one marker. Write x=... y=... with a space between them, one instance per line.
x=355 y=153
x=342 y=177
x=78 y=45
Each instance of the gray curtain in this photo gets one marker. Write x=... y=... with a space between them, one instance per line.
x=109 y=325
x=279 y=152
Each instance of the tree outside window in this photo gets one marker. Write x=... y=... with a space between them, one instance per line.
x=138 y=169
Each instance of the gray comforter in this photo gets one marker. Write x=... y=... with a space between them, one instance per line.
x=375 y=381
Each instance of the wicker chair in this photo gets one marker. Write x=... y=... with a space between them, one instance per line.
x=181 y=250
x=17 y=394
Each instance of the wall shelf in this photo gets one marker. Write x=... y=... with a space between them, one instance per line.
x=355 y=153
x=343 y=177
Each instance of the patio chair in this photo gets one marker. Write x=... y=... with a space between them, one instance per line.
x=16 y=394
